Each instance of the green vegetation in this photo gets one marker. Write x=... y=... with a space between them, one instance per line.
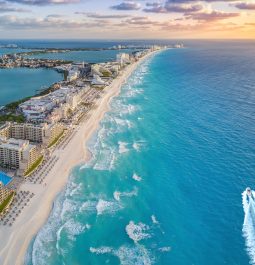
x=34 y=166
x=13 y=106
x=12 y=117
x=106 y=74
x=100 y=88
x=69 y=113
x=55 y=140
x=86 y=104
x=10 y=109
x=6 y=202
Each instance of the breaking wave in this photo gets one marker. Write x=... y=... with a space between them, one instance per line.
x=107 y=207
x=137 y=232
x=136 y=177
x=127 y=255
x=117 y=194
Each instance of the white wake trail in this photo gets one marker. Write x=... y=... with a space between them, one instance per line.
x=249 y=224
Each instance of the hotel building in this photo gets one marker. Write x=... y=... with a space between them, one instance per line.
x=5 y=130
x=19 y=155
x=37 y=133
x=4 y=193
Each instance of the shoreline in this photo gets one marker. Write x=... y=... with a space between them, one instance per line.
x=15 y=240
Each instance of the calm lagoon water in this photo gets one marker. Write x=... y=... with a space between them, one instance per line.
x=17 y=83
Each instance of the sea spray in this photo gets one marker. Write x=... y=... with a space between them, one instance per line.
x=249 y=224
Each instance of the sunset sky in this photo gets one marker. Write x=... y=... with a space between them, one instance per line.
x=166 y=19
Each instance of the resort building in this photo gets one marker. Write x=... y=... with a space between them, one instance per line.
x=53 y=132
x=97 y=80
x=49 y=108
x=5 y=130
x=37 y=108
x=123 y=58
x=4 y=193
x=18 y=155
x=72 y=75
x=37 y=133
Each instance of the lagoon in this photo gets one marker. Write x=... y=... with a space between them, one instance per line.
x=17 y=83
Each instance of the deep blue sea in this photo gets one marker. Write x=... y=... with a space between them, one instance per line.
x=170 y=162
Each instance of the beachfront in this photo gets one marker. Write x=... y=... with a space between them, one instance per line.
x=16 y=240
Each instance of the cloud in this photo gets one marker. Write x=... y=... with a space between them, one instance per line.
x=155 y=8
x=195 y=1
x=44 y=2
x=6 y=8
x=171 y=7
x=55 y=16
x=212 y=16
x=100 y=16
x=246 y=6
x=14 y=22
x=127 y=5
x=182 y=8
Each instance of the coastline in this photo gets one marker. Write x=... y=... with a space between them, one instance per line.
x=16 y=239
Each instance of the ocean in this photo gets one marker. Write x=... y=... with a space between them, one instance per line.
x=169 y=164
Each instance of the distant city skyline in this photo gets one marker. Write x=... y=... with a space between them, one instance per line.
x=127 y=19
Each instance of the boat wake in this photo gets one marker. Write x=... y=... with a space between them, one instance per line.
x=249 y=223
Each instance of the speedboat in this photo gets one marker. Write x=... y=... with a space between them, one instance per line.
x=249 y=194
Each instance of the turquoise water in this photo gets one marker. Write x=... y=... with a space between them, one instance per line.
x=4 y=178
x=86 y=56
x=17 y=83
x=170 y=161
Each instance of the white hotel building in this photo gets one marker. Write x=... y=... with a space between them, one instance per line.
x=18 y=155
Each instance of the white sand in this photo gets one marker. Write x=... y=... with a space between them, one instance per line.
x=15 y=240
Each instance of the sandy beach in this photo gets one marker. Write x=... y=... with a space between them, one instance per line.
x=15 y=240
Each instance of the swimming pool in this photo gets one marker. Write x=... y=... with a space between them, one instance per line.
x=4 y=178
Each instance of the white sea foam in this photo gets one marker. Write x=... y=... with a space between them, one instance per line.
x=87 y=226
x=127 y=255
x=73 y=228
x=107 y=207
x=42 y=248
x=117 y=195
x=88 y=206
x=58 y=239
x=136 y=177
x=165 y=249
x=154 y=220
x=249 y=225
x=137 y=255
x=137 y=232
x=128 y=109
x=105 y=160
x=101 y=250
x=68 y=207
x=123 y=147
x=138 y=145
x=76 y=189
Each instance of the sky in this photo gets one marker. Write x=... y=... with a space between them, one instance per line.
x=127 y=19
